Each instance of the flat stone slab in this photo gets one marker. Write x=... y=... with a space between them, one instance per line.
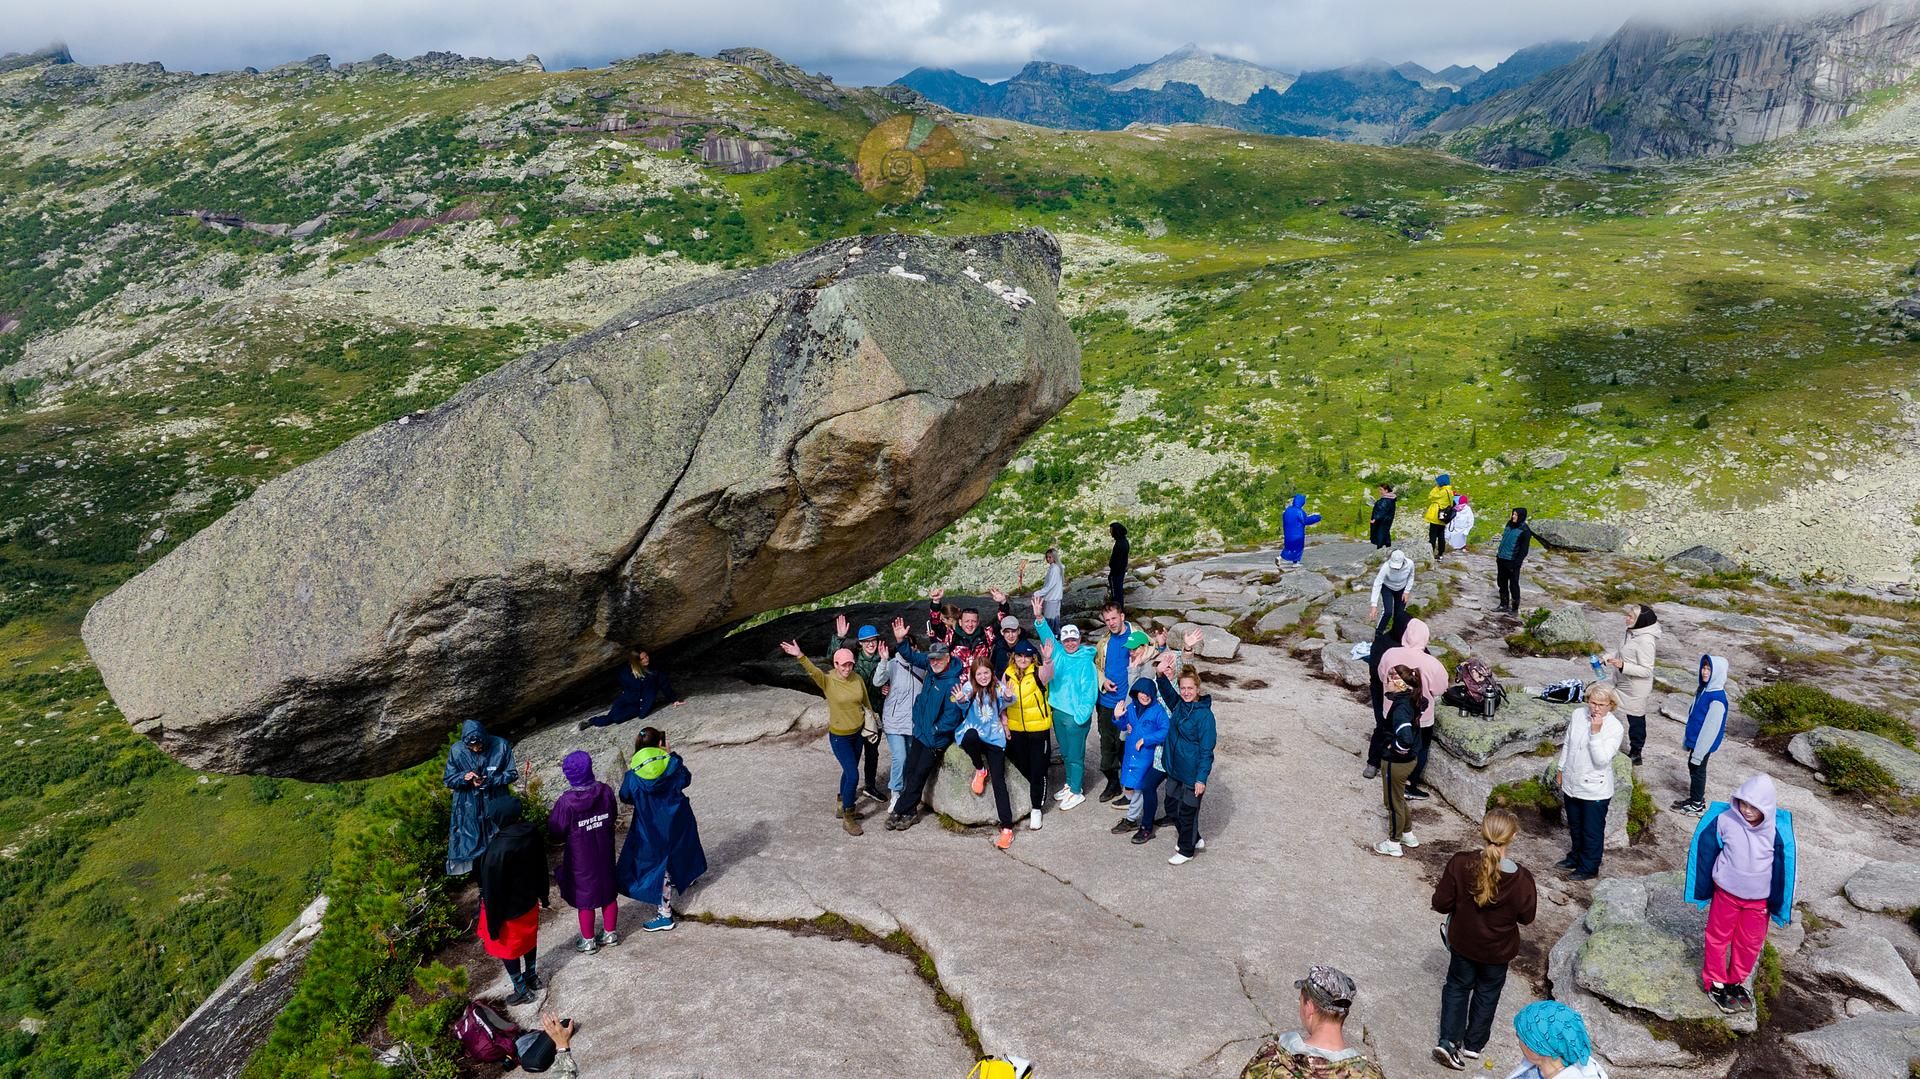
x=1901 y=763
x=1349 y=556
x=1281 y=618
x=1201 y=617
x=1885 y=886
x=1517 y=729
x=1878 y=1046
x=1864 y=961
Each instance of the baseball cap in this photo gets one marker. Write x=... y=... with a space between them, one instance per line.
x=1009 y=622
x=1328 y=988
x=1136 y=639
x=938 y=650
x=1025 y=648
x=867 y=633
x=1069 y=632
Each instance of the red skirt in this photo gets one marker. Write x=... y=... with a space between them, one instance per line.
x=518 y=937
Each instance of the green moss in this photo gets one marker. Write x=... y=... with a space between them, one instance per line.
x=1785 y=709
x=1525 y=643
x=1850 y=771
x=1767 y=981
x=1525 y=794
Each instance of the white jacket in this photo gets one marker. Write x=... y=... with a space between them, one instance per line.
x=1458 y=528
x=1586 y=759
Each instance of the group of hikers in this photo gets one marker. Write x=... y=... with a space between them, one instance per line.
x=1030 y=694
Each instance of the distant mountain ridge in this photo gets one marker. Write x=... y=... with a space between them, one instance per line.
x=1655 y=91
x=1222 y=78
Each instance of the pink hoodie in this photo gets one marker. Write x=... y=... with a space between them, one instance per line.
x=1412 y=652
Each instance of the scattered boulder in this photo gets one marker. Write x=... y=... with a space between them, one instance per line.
x=1863 y=962
x=1623 y=1041
x=1702 y=559
x=1578 y=535
x=1907 y=309
x=1565 y=625
x=1885 y=886
x=1877 y=1046
x=1310 y=587
x=953 y=792
x=1544 y=459
x=740 y=444
x=1586 y=409
x=1209 y=618
x=1280 y=619
x=1516 y=730
x=1901 y=763
x=1337 y=663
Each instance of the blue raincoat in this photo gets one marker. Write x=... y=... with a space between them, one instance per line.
x=468 y=828
x=664 y=840
x=1293 y=528
x=1146 y=724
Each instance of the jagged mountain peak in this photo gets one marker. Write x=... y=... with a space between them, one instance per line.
x=1222 y=78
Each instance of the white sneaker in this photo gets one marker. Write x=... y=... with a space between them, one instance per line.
x=1199 y=845
x=1387 y=847
x=1033 y=821
x=1072 y=800
x=1407 y=840
x=1178 y=859
x=1063 y=793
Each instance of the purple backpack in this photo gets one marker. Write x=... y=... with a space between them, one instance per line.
x=485 y=1035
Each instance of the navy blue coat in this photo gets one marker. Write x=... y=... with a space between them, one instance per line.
x=468 y=829
x=935 y=716
x=1190 y=737
x=664 y=840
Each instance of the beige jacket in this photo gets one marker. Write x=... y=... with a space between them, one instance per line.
x=1635 y=681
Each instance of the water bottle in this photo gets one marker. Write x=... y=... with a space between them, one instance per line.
x=1599 y=669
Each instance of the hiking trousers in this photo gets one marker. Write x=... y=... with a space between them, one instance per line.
x=1029 y=752
x=1507 y=576
x=1468 y=1000
x=1393 y=780
x=985 y=754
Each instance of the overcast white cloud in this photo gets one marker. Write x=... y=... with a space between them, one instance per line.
x=856 y=41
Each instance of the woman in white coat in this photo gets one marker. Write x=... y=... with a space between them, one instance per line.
x=1461 y=525
x=1634 y=661
x=1586 y=778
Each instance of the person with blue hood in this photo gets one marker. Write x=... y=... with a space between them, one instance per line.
x=1439 y=512
x=1293 y=529
x=1741 y=868
x=1706 y=728
x=662 y=852
x=1554 y=1044
x=1143 y=724
x=480 y=768
x=935 y=718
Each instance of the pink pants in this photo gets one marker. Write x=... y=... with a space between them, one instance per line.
x=609 y=916
x=1736 y=931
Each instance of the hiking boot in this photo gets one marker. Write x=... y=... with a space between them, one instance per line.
x=877 y=794
x=909 y=820
x=533 y=980
x=1372 y=772
x=1416 y=793
x=609 y=938
x=893 y=822
x=1635 y=758
x=1566 y=863
x=850 y=822
x=1144 y=835
x=1445 y=1056
x=660 y=923
x=1582 y=875
x=1072 y=800
x=521 y=995
x=586 y=945
x=979 y=782
x=1387 y=847
x=1742 y=999
x=1005 y=839
x=1123 y=826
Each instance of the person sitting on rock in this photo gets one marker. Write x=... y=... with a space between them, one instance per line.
x=583 y=819
x=1189 y=752
x=1293 y=531
x=1380 y=522
x=662 y=852
x=935 y=717
x=1029 y=723
x=1439 y=512
x=512 y=873
x=1706 y=727
x=643 y=691
x=1741 y=868
x=1412 y=652
x=1319 y=1049
x=866 y=660
x=1143 y=722
x=479 y=769
x=1486 y=897
x=1554 y=1044
x=847 y=713
x=983 y=737
x=1071 y=695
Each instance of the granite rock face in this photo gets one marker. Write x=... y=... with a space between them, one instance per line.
x=1885 y=886
x=1901 y=763
x=1578 y=535
x=743 y=443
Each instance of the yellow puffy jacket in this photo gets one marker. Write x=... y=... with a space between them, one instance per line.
x=1436 y=498
x=1029 y=710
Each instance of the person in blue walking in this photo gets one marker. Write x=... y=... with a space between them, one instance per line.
x=1293 y=530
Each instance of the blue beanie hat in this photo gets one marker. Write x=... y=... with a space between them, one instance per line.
x=1442 y=480
x=1550 y=1028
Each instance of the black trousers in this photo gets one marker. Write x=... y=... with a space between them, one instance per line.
x=1117 y=589
x=1186 y=818
x=1109 y=742
x=1420 y=761
x=1697 y=779
x=1437 y=535
x=1380 y=532
x=1587 y=828
x=1029 y=754
x=1507 y=576
x=870 y=754
x=985 y=754
x=519 y=969
x=923 y=761
x=1468 y=1001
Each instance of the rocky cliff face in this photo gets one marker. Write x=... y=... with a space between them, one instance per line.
x=1657 y=91
x=740 y=444
x=1222 y=78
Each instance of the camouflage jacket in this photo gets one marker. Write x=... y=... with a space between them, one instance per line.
x=1291 y=1058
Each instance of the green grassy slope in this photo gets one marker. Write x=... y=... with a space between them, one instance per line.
x=1260 y=316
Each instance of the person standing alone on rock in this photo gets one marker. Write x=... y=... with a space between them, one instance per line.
x=583 y=819
x=846 y=696
x=479 y=770
x=1380 y=523
x=1741 y=868
x=1593 y=739
x=866 y=660
x=1515 y=540
x=1554 y=1044
x=513 y=887
x=662 y=853
x=1706 y=728
x=1189 y=755
x=1486 y=897
x=1071 y=695
x=1439 y=512
x=1402 y=751
x=1117 y=566
x=1293 y=531
x=1319 y=1049
x=1635 y=661
x=983 y=737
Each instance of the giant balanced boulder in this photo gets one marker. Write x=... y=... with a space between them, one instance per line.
x=740 y=444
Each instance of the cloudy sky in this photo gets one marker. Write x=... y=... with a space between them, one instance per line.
x=856 y=41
